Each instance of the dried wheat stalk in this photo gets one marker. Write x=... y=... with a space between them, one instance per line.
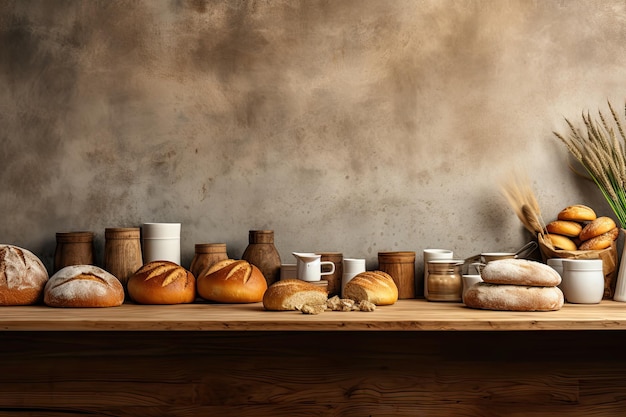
x=521 y=198
x=600 y=150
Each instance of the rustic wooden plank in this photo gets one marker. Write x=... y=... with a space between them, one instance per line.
x=405 y=315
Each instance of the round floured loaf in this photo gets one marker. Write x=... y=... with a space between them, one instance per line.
x=232 y=281
x=22 y=276
x=83 y=286
x=513 y=297
x=293 y=294
x=520 y=272
x=377 y=287
x=162 y=282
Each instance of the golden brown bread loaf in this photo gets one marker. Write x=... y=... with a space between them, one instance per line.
x=232 y=281
x=162 y=282
x=487 y=296
x=520 y=272
x=562 y=242
x=564 y=227
x=577 y=213
x=293 y=294
x=22 y=276
x=600 y=242
x=83 y=286
x=597 y=227
x=377 y=287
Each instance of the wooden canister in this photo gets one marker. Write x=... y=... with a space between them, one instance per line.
x=122 y=252
x=401 y=267
x=262 y=253
x=334 y=279
x=206 y=255
x=73 y=248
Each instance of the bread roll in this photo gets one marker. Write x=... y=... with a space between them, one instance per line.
x=162 y=282
x=562 y=242
x=83 y=286
x=597 y=227
x=520 y=272
x=577 y=213
x=377 y=287
x=293 y=294
x=600 y=242
x=22 y=276
x=564 y=227
x=231 y=281
x=513 y=297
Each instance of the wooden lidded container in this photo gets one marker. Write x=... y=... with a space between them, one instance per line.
x=206 y=255
x=334 y=279
x=122 y=252
x=401 y=267
x=73 y=248
x=262 y=253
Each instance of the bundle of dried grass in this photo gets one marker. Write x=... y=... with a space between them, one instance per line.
x=521 y=198
x=599 y=147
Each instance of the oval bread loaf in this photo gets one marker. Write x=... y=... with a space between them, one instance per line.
x=232 y=281
x=600 y=242
x=597 y=227
x=293 y=294
x=22 y=276
x=83 y=286
x=520 y=272
x=562 y=242
x=564 y=227
x=377 y=287
x=513 y=297
x=577 y=213
x=162 y=282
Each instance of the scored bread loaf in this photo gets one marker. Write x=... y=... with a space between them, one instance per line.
x=520 y=272
x=83 y=286
x=293 y=294
x=487 y=296
x=162 y=282
x=232 y=281
x=22 y=276
x=377 y=287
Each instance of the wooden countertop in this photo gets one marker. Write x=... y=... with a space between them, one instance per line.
x=405 y=315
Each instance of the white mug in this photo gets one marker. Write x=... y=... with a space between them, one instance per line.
x=351 y=268
x=431 y=255
x=309 y=266
x=583 y=281
x=557 y=265
x=161 y=242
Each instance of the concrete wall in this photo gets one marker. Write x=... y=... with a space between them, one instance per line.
x=353 y=126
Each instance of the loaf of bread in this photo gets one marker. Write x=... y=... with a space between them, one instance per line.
x=487 y=296
x=162 y=282
x=377 y=287
x=83 y=286
x=232 y=281
x=293 y=294
x=577 y=213
x=600 y=242
x=562 y=242
x=22 y=276
x=520 y=272
x=564 y=227
x=597 y=227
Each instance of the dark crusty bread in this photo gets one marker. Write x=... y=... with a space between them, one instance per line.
x=83 y=286
x=22 y=276
x=513 y=297
x=293 y=294
x=377 y=287
x=162 y=282
x=520 y=272
x=232 y=281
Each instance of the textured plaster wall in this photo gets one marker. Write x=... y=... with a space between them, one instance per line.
x=352 y=126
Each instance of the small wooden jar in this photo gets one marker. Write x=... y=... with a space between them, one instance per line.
x=334 y=279
x=206 y=255
x=401 y=267
x=73 y=248
x=122 y=252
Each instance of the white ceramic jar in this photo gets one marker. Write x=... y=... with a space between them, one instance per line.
x=161 y=242
x=583 y=281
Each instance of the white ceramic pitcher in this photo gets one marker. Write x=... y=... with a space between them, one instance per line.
x=309 y=266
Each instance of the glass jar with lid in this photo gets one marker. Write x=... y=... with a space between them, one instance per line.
x=444 y=280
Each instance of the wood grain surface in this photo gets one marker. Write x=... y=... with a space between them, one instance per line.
x=404 y=315
x=322 y=373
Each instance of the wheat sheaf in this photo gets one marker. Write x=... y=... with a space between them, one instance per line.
x=522 y=199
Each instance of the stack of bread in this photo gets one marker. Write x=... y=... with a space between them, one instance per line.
x=578 y=228
x=516 y=285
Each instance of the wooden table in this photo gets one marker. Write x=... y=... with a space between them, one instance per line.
x=412 y=358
